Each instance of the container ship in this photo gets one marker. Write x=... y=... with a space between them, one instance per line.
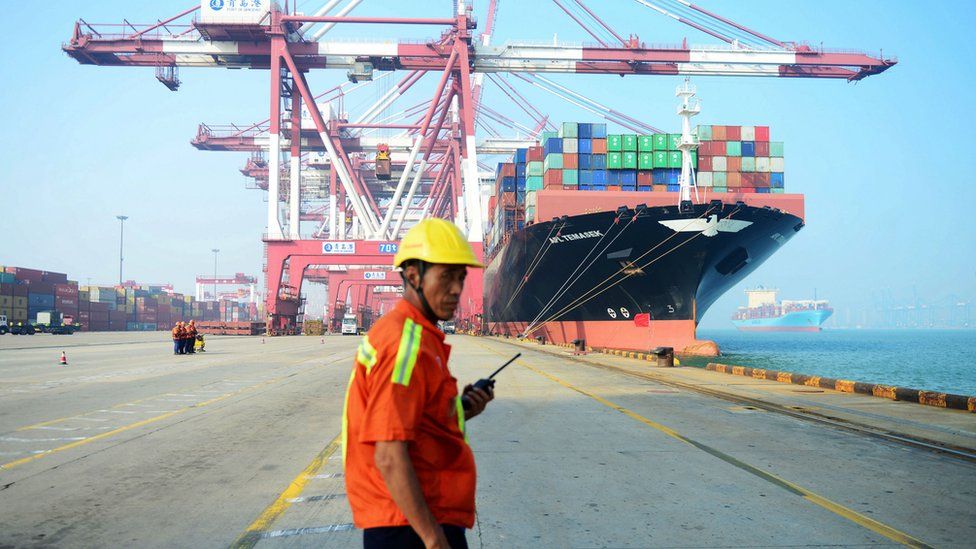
x=625 y=240
x=765 y=314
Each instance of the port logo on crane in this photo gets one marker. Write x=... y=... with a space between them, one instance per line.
x=338 y=248
x=374 y=275
x=216 y=5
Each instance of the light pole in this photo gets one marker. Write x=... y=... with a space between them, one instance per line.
x=215 y=251
x=121 y=219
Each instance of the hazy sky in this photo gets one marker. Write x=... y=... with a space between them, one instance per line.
x=887 y=165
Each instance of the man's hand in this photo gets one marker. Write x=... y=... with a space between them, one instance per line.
x=477 y=400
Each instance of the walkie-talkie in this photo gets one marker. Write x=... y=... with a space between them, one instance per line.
x=487 y=385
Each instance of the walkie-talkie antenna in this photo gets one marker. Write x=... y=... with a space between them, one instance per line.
x=511 y=360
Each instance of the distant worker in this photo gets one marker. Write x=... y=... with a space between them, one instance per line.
x=200 y=345
x=191 y=337
x=178 y=338
x=410 y=474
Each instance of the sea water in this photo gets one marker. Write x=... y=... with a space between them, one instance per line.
x=935 y=360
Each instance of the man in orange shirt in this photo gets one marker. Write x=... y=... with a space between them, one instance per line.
x=410 y=474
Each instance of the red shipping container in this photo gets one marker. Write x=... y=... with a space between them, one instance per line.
x=552 y=178
x=734 y=164
x=645 y=177
x=763 y=179
x=599 y=146
x=613 y=187
x=61 y=302
x=534 y=154
x=719 y=133
x=762 y=134
x=66 y=290
x=492 y=202
x=704 y=165
x=508 y=199
x=733 y=133
x=660 y=188
x=54 y=278
x=570 y=161
x=733 y=179
x=762 y=148
x=508 y=170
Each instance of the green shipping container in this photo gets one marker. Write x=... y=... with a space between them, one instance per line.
x=645 y=161
x=533 y=168
x=776 y=148
x=719 y=190
x=660 y=159
x=554 y=161
x=660 y=141
x=719 y=179
x=569 y=129
x=630 y=142
x=629 y=160
x=674 y=159
x=748 y=164
x=533 y=183
x=615 y=143
x=546 y=135
x=733 y=148
x=704 y=133
x=674 y=139
x=777 y=191
x=645 y=143
x=570 y=177
x=614 y=160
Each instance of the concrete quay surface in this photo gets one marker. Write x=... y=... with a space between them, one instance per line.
x=130 y=446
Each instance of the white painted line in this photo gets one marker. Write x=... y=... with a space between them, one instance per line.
x=178 y=400
x=308 y=530
x=18 y=439
x=83 y=418
x=160 y=411
x=50 y=428
x=327 y=475
x=181 y=395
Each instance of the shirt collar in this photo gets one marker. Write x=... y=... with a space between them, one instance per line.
x=414 y=313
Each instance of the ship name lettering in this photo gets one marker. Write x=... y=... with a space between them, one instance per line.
x=575 y=236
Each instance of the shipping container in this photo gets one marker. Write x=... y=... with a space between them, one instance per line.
x=660 y=142
x=674 y=139
x=571 y=145
x=705 y=163
x=599 y=146
x=733 y=164
x=629 y=143
x=748 y=133
x=645 y=143
x=749 y=163
x=762 y=148
x=704 y=133
x=584 y=162
x=776 y=148
x=645 y=160
x=719 y=179
x=718 y=133
x=629 y=160
x=733 y=148
x=614 y=143
x=569 y=129
x=570 y=177
x=704 y=179
x=733 y=133
x=584 y=146
x=763 y=164
x=762 y=133
x=748 y=148
x=674 y=159
x=551 y=145
x=720 y=164
x=570 y=161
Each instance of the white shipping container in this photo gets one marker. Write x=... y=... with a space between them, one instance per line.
x=776 y=164
x=720 y=164
x=762 y=164
x=530 y=198
x=234 y=12
x=748 y=133
x=704 y=179
x=570 y=145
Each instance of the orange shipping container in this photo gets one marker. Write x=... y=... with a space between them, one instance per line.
x=570 y=161
x=660 y=188
x=718 y=133
x=599 y=146
x=733 y=179
x=734 y=164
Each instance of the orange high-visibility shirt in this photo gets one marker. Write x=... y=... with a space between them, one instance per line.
x=400 y=389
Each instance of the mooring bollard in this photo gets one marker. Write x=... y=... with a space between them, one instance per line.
x=541 y=340
x=579 y=346
x=665 y=356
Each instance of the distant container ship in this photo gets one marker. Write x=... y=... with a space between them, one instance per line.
x=765 y=314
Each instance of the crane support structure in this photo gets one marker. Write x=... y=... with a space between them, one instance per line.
x=442 y=142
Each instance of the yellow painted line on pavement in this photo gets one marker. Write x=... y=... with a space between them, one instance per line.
x=252 y=534
x=124 y=428
x=832 y=506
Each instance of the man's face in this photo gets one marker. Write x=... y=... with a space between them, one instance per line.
x=442 y=286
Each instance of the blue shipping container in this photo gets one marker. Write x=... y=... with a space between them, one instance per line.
x=508 y=184
x=584 y=162
x=674 y=188
x=600 y=177
x=520 y=183
x=599 y=187
x=520 y=170
x=585 y=146
x=628 y=188
x=585 y=177
x=645 y=188
x=628 y=177
x=599 y=131
x=585 y=131
x=763 y=190
x=40 y=300
x=520 y=155
x=586 y=187
x=776 y=180
x=613 y=177
x=748 y=148
x=553 y=145
x=598 y=161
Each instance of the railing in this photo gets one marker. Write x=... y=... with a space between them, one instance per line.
x=233 y=130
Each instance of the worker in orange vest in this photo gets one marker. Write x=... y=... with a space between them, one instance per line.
x=410 y=474
x=191 y=337
x=178 y=338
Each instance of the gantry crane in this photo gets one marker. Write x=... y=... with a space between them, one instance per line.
x=280 y=40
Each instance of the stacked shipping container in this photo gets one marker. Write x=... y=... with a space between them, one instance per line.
x=26 y=292
x=740 y=159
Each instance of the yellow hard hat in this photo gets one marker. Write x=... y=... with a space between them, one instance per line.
x=436 y=240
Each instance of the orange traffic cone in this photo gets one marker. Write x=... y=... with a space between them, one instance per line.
x=64 y=359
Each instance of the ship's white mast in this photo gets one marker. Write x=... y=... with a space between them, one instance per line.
x=689 y=141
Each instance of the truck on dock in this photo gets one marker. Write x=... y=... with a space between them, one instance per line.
x=350 y=324
x=51 y=322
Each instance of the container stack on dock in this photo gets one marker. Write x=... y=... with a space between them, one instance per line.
x=132 y=307
x=740 y=159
